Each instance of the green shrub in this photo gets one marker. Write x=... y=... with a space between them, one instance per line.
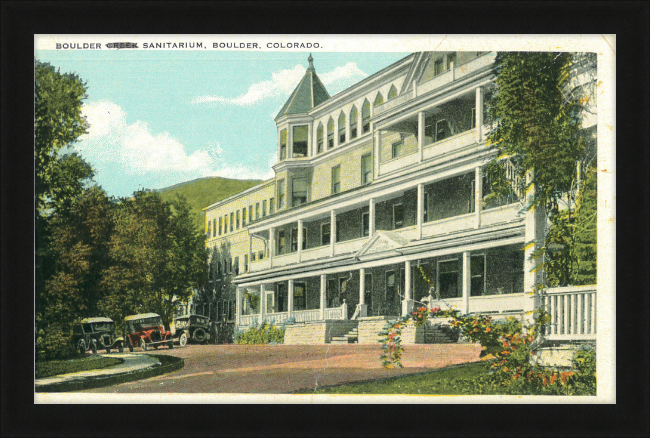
x=54 y=343
x=265 y=333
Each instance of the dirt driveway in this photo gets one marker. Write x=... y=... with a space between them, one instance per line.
x=277 y=369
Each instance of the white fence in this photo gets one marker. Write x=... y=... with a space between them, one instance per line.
x=299 y=315
x=573 y=310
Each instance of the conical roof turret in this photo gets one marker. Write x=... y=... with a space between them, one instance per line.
x=309 y=93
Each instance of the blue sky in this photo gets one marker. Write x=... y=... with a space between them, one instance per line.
x=159 y=118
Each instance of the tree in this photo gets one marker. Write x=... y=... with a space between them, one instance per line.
x=585 y=232
x=538 y=131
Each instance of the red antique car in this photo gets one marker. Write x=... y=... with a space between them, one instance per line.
x=146 y=330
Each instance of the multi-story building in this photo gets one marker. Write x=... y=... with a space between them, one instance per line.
x=377 y=205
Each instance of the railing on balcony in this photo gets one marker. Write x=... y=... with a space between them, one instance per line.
x=349 y=246
x=393 y=102
x=299 y=315
x=512 y=174
x=573 y=312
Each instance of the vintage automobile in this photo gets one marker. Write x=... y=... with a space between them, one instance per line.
x=191 y=327
x=94 y=333
x=146 y=330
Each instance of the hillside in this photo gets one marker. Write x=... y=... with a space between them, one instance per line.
x=206 y=191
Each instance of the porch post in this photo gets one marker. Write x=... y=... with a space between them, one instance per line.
x=420 y=211
x=467 y=281
x=479 y=114
x=371 y=217
x=363 y=307
x=262 y=302
x=420 y=134
x=290 y=300
x=323 y=285
x=238 y=306
x=478 y=196
x=299 y=240
x=332 y=231
x=535 y=221
x=271 y=244
x=408 y=303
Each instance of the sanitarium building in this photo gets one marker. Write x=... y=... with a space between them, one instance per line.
x=375 y=188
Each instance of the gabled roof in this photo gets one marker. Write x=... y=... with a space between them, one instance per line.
x=309 y=93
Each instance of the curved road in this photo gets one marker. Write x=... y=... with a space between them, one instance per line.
x=277 y=369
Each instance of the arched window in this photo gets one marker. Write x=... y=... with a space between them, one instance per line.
x=379 y=100
x=342 y=128
x=392 y=94
x=354 y=119
x=319 y=138
x=365 y=116
x=330 y=133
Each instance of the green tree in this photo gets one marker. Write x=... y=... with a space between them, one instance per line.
x=585 y=232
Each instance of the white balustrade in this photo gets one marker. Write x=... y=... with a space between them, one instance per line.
x=260 y=265
x=306 y=315
x=459 y=143
x=349 y=246
x=573 y=312
x=334 y=313
x=285 y=260
x=501 y=214
x=315 y=253
x=448 y=225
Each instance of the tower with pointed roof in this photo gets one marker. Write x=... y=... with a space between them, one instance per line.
x=309 y=93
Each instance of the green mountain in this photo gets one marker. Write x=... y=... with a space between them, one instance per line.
x=206 y=191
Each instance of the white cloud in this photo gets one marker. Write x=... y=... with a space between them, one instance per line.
x=284 y=82
x=136 y=150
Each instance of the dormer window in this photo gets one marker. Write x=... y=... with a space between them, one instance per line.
x=330 y=134
x=451 y=60
x=283 y=144
x=392 y=94
x=365 y=116
x=319 y=139
x=300 y=139
x=354 y=118
x=342 y=128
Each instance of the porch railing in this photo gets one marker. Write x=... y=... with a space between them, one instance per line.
x=573 y=310
x=299 y=315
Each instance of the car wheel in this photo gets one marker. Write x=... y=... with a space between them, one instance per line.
x=199 y=335
x=128 y=344
x=143 y=344
x=170 y=344
x=82 y=348
x=182 y=340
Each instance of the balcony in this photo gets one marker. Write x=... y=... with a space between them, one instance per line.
x=393 y=102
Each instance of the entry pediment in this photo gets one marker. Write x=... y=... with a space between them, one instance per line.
x=382 y=242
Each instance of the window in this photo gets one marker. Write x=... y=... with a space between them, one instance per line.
x=425 y=207
x=330 y=134
x=391 y=286
x=365 y=224
x=282 y=241
x=272 y=206
x=342 y=128
x=260 y=255
x=243 y=217
x=218 y=265
x=336 y=179
x=437 y=67
x=392 y=94
x=257 y=210
x=230 y=263
x=236 y=265
x=442 y=130
x=398 y=216
x=282 y=297
x=396 y=149
x=250 y=213
x=232 y=216
x=299 y=296
x=379 y=100
x=368 y=292
x=472 y=117
x=332 y=294
x=283 y=144
x=231 y=310
x=294 y=239
x=365 y=116
x=299 y=189
x=300 y=141
x=366 y=168
x=342 y=288
x=237 y=215
x=225 y=267
x=337 y=231
x=319 y=139
x=325 y=234
x=477 y=272
x=448 y=284
x=225 y=224
x=245 y=262
x=451 y=60
x=264 y=208
x=354 y=119
x=209 y=228
x=220 y=225
x=253 y=256
x=214 y=227
x=280 y=194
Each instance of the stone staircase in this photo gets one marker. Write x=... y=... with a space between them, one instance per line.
x=351 y=337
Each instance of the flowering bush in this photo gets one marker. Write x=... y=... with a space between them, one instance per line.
x=265 y=333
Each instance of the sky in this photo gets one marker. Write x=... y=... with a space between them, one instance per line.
x=159 y=118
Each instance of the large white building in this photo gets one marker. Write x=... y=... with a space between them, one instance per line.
x=376 y=188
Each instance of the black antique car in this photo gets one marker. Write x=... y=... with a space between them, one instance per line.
x=95 y=333
x=191 y=327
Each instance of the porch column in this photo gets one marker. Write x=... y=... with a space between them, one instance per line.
x=478 y=196
x=453 y=71
x=238 y=306
x=290 y=142
x=376 y=152
x=535 y=221
x=363 y=307
x=420 y=211
x=371 y=217
x=420 y=134
x=467 y=281
x=271 y=245
x=332 y=231
x=290 y=300
x=299 y=240
x=323 y=286
x=408 y=303
x=262 y=302
x=479 y=114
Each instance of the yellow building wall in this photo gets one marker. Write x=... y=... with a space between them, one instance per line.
x=350 y=171
x=410 y=145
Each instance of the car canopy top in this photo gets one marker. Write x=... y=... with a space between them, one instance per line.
x=96 y=319
x=142 y=316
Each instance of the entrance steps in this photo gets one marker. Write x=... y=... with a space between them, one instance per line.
x=351 y=337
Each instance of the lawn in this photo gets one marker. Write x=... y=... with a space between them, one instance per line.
x=448 y=381
x=56 y=367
